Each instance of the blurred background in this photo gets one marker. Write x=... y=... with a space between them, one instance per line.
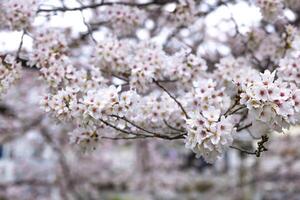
x=38 y=162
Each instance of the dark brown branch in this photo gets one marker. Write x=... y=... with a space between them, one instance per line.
x=243 y=127
x=96 y=5
x=261 y=145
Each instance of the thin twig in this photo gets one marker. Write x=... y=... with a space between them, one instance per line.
x=123 y=138
x=243 y=151
x=122 y=130
x=173 y=128
x=133 y=124
x=158 y=135
x=90 y=31
x=243 y=127
x=235 y=103
x=173 y=97
x=20 y=45
x=154 y=134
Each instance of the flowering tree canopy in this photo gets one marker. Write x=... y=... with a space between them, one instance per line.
x=148 y=69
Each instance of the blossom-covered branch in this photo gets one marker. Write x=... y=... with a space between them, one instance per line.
x=147 y=71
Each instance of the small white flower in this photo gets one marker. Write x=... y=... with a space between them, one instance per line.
x=270 y=9
x=209 y=138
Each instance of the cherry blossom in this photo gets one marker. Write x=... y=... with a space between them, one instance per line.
x=208 y=136
x=123 y=19
x=10 y=71
x=18 y=14
x=271 y=9
x=126 y=78
x=269 y=101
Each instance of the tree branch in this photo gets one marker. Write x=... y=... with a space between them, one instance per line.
x=96 y=5
x=243 y=151
x=172 y=97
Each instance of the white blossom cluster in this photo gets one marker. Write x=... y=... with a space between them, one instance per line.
x=289 y=69
x=103 y=107
x=135 y=88
x=17 y=14
x=270 y=101
x=10 y=71
x=234 y=72
x=50 y=56
x=157 y=108
x=49 y=45
x=149 y=62
x=273 y=46
x=111 y=55
x=142 y=62
x=207 y=96
x=270 y=9
x=61 y=103
x=88 y=107
x=186 y=68
x=123 y=19
x=208 y=135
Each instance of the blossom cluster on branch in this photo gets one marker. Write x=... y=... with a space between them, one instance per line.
x=17 y=14
x=132 y=88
